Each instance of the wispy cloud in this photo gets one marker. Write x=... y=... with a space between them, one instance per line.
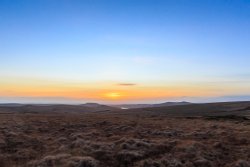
x=145 y=60
x=126 y=84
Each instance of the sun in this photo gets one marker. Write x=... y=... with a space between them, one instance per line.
x=113 y=95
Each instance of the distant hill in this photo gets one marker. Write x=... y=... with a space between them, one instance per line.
x=171 y=104
x=175 y=109
x=11 y=104
x=88 y=107
x=130 y=106
x=203 y=109
x=98 y=107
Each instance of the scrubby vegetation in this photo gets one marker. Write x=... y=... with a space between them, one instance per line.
x=121 y=139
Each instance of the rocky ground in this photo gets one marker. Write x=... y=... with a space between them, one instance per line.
x=120 y=139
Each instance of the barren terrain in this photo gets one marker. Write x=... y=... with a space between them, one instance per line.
x=208 y=135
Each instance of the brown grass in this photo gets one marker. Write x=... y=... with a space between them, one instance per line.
x=121 y=139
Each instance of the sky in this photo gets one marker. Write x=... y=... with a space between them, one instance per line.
x=124 y=51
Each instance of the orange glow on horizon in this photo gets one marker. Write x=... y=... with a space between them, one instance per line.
x=105 y=91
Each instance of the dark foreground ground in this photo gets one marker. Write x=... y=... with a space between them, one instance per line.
x=122 y=139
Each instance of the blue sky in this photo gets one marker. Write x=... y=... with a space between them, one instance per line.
x=150 y=43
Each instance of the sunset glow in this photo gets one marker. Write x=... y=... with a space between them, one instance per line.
x=110 y=92
x=113 y=95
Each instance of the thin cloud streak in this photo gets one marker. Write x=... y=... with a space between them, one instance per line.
x=126 y=84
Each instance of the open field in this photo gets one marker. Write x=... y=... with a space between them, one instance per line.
x=202 y=135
